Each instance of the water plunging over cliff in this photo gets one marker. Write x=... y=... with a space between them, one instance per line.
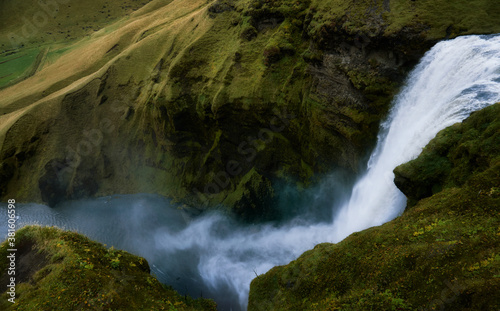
x=219 y=258
x=454 y=79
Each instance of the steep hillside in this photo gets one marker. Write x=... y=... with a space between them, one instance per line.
x=59 y=270
x=441 y=254
x=206 y=102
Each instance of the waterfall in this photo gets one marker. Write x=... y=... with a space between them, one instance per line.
x=218 y=257
x=452 y=80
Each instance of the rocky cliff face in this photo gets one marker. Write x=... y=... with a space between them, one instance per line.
x=442 y=253
x=211 y=103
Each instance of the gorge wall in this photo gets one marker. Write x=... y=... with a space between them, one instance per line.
x=210 y=103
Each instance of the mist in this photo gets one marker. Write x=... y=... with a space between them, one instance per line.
x=213 y=255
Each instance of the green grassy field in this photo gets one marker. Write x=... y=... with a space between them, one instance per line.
x=14 y=67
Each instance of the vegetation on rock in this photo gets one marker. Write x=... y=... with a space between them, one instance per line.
x=60 y=270
x=449 y=160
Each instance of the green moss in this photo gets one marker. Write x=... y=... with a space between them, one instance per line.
x=445 y=17
x=453 y=156
x=70 y=272
x=439 y=18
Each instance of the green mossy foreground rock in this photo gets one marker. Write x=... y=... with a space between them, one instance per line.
x=61 y=270
x=449 y=160
x=211 y=103
x=441 y=254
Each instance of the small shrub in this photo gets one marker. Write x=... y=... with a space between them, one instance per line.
x=272 y=55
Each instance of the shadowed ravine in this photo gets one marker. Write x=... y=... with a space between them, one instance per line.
x=217 y=258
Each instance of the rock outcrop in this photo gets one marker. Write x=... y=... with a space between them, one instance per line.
x=60 y=270
x=453 y=157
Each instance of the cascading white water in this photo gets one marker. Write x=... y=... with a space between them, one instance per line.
x=453 y=79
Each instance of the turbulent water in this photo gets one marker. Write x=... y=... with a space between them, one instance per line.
x=214 y=257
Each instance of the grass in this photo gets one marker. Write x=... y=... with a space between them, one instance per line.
x=445 y=18
x=64 y=22
x=17 y=66
x=75 y=273
x=439 y=18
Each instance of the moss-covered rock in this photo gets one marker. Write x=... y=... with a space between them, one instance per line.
x=453 y=157
x=441 y=254
x=60 y=270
